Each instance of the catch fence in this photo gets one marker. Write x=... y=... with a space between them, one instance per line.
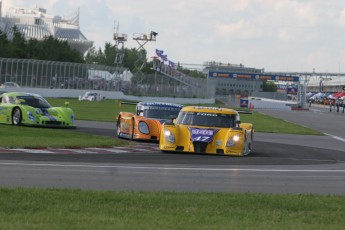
x=67 y=75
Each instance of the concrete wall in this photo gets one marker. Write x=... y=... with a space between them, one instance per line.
x=264 y=103
x=71 y=93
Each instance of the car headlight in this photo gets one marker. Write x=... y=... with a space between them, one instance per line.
x=232 y=141
x=169 y=136
x=31 y=116
x=38 y=111
x=143 y=128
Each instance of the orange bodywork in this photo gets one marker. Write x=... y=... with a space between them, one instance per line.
x=131 y=126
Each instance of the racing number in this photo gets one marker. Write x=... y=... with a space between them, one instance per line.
x=201 y=138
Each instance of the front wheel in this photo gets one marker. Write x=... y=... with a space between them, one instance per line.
x=17 y=116
x=118 y=128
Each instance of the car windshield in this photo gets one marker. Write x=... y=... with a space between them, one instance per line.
x=207 y=119
x=161 y=113
x=34 y=101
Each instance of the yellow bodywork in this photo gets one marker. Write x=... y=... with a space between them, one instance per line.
x=236 y=140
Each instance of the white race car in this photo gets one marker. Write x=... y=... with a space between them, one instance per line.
x=92 y=96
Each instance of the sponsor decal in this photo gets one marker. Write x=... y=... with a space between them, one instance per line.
x=125 y=126
x=168 y=147
x=210 y=108
x=125 y=135
x=230 y=151
x=46 y=113
x=202 y=135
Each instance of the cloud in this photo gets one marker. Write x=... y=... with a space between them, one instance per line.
x=294 y=33
x=342 y=17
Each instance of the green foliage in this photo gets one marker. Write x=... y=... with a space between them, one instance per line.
x=269 y=86
x=48 y=49
x=18 y=44
x=192 y=73
x=4 y=46
x=107 y=57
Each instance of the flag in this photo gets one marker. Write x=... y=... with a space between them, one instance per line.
x=164 y=57
x=159 y=52
x=172 y=64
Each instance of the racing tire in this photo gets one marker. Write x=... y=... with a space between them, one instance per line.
x=245 y=146
x=118 y=128
x=248 y=148
x=132 y=135
x=17 y=116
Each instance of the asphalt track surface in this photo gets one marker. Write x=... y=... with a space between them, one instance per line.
x=279 y=164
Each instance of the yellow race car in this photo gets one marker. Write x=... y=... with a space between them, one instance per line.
x=207 y=130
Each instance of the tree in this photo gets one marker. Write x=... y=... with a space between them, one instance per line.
x=48 y=49
x=4 y=45
x=269 y=86
x=18 y=44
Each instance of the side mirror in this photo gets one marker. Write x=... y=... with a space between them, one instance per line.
x=66 y=103
x=140 y=112
x=238 y=122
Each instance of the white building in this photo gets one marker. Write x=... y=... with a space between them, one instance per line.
x=37 y=24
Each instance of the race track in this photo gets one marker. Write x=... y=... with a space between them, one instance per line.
x=279 y=164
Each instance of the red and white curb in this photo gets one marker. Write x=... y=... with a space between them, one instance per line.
x=115 y=150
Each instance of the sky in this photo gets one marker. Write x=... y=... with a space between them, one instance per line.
x=276 y=35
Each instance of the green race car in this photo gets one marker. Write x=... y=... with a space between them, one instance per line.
x=33 y=110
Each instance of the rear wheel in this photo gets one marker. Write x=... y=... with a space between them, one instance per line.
x=17 y=116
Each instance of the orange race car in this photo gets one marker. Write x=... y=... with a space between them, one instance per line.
x=146 y=123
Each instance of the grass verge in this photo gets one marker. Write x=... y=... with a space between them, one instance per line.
x=32 y=137
x=75 y=209
x=106 y=110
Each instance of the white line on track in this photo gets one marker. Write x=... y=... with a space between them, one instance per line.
x=336 y=137
x=33 y=150
x=173 y=168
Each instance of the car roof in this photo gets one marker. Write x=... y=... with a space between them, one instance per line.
x=205 y=109
x=159 y=104
x=15 y=94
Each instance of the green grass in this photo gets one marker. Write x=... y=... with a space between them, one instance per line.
x=268 y=124
x=106 y=110
x=30 y=137
x=75 y=209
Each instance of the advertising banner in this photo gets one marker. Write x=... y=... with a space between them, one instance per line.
x=263 y=77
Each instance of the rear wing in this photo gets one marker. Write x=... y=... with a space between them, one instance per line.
x=244 y=111
x=127 y=103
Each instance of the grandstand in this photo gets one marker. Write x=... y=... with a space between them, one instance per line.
x=37 y=24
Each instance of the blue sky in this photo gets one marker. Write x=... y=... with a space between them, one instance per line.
x=277 y=35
